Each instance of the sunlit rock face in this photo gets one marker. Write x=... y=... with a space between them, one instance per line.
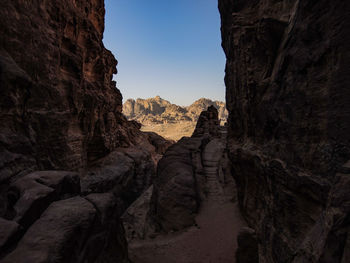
x=158 y=110
x=287 y=79
x=170 y=120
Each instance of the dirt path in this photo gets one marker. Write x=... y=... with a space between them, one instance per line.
x=215 y=238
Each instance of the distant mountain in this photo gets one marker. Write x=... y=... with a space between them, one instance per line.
x=167 y=119
x=162 y=111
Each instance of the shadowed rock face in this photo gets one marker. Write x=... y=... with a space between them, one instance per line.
x=287 y=79
x=69 y=164
x=74 y=230
x=176 y=192
x=180 y=185
x=208 y=123
x=59 y=105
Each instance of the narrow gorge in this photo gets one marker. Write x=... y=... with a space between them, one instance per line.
x=79 y=182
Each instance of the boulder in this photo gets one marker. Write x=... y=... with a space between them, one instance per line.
x=36 y=191
x=179 y=186
x=127 y=172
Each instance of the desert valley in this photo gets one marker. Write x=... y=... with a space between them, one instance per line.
x=169 y=120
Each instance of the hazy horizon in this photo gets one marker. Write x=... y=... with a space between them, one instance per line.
x=170 y=49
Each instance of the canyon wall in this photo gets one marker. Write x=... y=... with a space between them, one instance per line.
x=287 y=93
x=70 y=162
x=60 y=108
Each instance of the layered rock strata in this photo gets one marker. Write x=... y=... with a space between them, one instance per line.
x=70 y=162
x=287 y=79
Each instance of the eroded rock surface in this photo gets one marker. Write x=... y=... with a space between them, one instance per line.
x=70 y=162
x=193 y=214
x=184 y=172
x=69 y=231
x=60 y=105
x=287 y=79
x=179 y=185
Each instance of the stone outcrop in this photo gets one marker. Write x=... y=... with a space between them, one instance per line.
x=208 y=123
x=176 y=196
x=287 y=79
x=169 y=120
x=180 y=185
x=70 y=162
x=159 y=143
x=126 y=172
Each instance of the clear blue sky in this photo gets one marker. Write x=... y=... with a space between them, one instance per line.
x=166 y=48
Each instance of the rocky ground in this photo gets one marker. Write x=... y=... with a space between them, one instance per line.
x=213 y=239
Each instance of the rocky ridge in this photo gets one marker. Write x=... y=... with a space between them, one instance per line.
x=167 y=119
x=287 y=79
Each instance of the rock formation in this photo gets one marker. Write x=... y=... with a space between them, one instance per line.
x=287 y=79
x=192 y=214
x=180 y=185
x=170 y=120
x=70 y=162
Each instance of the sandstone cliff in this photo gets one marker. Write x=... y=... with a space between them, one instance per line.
x=167 y=119
x=70 y=162
x=287 y=79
